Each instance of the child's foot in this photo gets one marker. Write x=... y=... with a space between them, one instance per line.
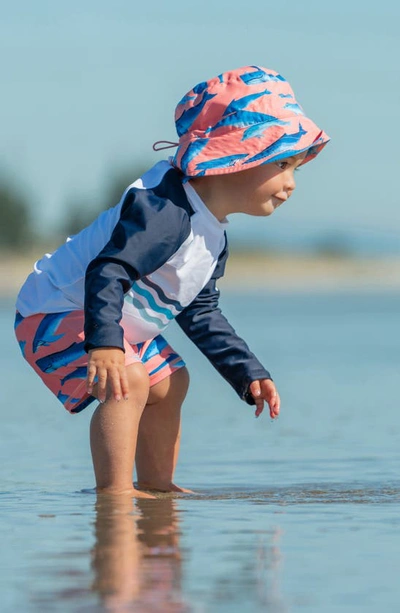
x=177 y=488
x=170 y=487
x=139 y=494
x=131 y=492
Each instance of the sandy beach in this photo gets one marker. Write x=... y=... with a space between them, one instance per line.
x=306 y=273
x=259 y=271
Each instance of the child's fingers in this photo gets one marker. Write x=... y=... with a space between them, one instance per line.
x=101 y=384
x=124 y=384
x=269 y=392
x=108 y=365
x=91 y=374
x=114 y=383
x=118 y=382
x=255 y=390
x=274 y=404
x=265 y=390
x=259 y=408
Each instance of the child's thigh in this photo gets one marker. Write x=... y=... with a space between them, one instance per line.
x=159 y=359
x=53 y=344
x=171 y=391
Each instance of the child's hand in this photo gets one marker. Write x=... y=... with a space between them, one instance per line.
x=108 y=364
x=264 y=389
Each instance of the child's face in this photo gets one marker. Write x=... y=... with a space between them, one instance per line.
x=260 y=190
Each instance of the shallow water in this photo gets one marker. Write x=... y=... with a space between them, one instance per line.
x=301 y=514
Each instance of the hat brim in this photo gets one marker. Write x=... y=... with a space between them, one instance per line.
x=233 y=151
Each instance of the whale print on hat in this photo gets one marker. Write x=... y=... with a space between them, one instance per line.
x=241 y=119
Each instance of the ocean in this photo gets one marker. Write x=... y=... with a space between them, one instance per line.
x=299 y=514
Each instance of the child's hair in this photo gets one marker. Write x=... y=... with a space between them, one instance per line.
x=241 y=119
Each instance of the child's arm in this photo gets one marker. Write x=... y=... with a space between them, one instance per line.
x=205 y=325
x=149 y=231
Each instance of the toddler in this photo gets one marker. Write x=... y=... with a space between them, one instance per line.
x=91 y=315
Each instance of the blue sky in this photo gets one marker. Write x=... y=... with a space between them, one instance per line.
x=88 y=86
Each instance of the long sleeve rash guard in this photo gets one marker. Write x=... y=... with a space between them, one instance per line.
x=153 y=258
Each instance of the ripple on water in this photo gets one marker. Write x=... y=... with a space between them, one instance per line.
x=332 y=493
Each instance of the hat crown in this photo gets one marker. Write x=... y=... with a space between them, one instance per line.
x=233 y=121
x=250 y=89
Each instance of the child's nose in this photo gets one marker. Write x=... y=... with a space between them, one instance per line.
x=290 y=184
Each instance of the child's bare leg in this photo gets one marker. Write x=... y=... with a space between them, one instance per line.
x=113 y=435
x=159 y=433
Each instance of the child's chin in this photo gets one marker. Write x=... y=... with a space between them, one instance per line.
x=262 y=214
x=268 y=210
x=264 y=211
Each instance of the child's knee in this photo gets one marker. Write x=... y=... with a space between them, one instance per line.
x=183 y=378
x=138 y=379
x=180 y=379
x=174 y=386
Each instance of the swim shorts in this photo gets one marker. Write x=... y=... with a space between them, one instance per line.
x=53 y=344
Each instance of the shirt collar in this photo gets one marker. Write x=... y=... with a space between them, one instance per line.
x=199 y=206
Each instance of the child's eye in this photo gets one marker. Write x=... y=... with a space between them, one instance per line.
x=283 y=165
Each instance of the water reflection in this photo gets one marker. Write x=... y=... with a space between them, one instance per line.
x=250 y=572
x=268 y=568
x=136 y=557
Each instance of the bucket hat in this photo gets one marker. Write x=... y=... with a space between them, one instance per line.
x=241 y=119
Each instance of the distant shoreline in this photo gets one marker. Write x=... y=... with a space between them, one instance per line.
x=305 y=273
x=262 y=271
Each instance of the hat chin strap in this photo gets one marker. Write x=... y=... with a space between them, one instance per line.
x=164 y=144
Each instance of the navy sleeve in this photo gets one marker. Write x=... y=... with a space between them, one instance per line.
x=203 y=322
x=148 y=233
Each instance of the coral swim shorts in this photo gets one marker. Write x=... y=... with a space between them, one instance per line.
x=53 y=344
